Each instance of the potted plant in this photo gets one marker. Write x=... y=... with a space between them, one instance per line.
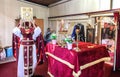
x=69 y=41
x=53 y=37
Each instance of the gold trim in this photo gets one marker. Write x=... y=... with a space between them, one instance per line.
x=76 y=74
x=28 y=67
x=27 y=40
x=28 y=45
x=81 y=67
x=50 y=74
x=60 y=60
x=26 y=13
x=94 y=62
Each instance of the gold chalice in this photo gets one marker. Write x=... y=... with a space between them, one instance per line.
x=77 y=48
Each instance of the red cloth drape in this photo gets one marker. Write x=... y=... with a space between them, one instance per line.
x=77 y=59
x=117 y=20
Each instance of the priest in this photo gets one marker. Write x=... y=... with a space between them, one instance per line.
x=28 y=47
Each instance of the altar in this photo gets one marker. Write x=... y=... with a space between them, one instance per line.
x=68 y=63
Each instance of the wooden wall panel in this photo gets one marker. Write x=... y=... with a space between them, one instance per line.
x=40 y=23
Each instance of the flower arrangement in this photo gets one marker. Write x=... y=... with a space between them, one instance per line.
x=68 y=40
x=53 y=36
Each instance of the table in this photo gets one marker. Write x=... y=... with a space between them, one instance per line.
x=69 y=63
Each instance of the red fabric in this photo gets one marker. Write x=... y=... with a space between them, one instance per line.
x=54 y=65
x=116 y=16
x=78 y=59
x=118 y=51
x=117 y=20
x=15 y=45
x=40 y=48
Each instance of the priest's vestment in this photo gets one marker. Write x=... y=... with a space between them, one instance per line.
x=28 y=48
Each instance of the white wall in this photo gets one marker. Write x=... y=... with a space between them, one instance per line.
x=79 y=6
x=116 y=4
x=9 y=11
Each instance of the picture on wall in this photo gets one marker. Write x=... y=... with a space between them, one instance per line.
x=108 y=34
x=90 y=35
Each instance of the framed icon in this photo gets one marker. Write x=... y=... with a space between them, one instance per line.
x=90 y=35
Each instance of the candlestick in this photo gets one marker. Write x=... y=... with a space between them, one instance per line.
x=77 y=48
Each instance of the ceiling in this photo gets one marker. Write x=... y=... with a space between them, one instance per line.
x=43 y=2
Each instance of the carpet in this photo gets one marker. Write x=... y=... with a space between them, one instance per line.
x=7 y=60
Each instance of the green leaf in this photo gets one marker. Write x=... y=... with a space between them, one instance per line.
x=53 y=36
x=68 y=40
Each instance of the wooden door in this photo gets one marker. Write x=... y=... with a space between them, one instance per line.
x=40 y=23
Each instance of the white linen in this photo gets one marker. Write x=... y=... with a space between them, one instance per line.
x=17 y=32
x=20 y=71
x=37 y=31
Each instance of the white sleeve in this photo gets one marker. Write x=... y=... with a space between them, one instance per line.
x=37 y=31
x=17 y=32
